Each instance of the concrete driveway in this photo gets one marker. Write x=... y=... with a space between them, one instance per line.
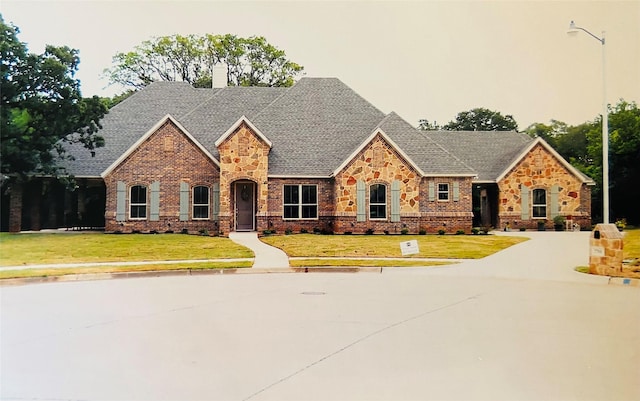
x=489 y=330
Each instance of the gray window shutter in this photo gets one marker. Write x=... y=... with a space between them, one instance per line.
x=121 y=200
x=184 y=201
x=216 y=200
x=395 y=201
x=361 y=203
x=555 y=208
x=456 y=191
x=154 y=205
x=524 y=201
x=432 y=191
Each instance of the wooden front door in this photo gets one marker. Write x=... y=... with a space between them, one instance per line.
x=245 y=206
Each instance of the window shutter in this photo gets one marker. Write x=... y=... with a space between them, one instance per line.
x=555 y=208
x=184 y=201
x=361 y=204
x=524 y=202
x=121 y=200
x=216 y=200
x=432 y=191
x=456 y=191
x=395 y=201
x=154 y=205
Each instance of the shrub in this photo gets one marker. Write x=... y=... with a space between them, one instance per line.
x=460 y=232
x=348 y=233
x=267 y=232
x=523 y=229
x=386 y=232
x=303 y=231
x=441 y=232
x=288 y=231
x=184 y=231
x=369 y=231
x=404 y=231
x=422 y=232
x=204 y=232
x=475 y=230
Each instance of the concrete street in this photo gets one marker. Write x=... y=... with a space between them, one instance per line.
x=519 y=325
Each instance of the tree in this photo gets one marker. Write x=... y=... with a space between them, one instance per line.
x=42 y=108
x=481 y=119
x=624 y=153
x=425 y=125
x=251 y=62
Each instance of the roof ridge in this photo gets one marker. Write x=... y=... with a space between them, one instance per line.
x=284 y=92
x=214 y=94
x=424 y=134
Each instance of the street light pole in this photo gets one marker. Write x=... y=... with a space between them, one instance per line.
x=573 y=29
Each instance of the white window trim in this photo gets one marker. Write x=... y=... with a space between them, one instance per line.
x=385 y=204
x=300 y=204
x=438 y=192
x=193 y=203
x=146 y=204
x=534 y=205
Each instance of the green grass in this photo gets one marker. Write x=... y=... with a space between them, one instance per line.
x=119 y=269
x=431 y=246
x=631 y=244
x=363 y=263
x=49 y=248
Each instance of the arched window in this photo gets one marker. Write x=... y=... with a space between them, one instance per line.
x=201 y=201
x=138 y=202
x=539 y=203
x=378 y=201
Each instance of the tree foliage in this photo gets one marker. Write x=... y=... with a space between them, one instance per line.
x=581 y=145
x=426 y=125
x=251 y=62
x=42 y=108
x=481 y=119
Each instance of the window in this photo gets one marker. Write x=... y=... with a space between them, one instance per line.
x=200 y=202
x=300 y=202
x=539 y=203
x=443 y=192
x=138 y=202
x=378 y=201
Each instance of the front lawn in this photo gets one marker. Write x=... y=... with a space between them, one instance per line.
x=381 y=246
x=50 y=248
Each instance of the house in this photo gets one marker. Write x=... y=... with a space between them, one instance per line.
x=315 y=157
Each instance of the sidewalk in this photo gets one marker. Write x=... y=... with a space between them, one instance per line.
x=266 y=256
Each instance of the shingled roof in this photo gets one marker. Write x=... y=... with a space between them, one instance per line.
x=488 y=153
x=314 y=127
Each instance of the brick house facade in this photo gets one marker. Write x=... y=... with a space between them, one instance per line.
x=315 y=157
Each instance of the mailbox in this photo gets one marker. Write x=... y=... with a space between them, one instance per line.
x=605 y=250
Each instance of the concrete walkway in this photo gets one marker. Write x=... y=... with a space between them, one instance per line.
x=266 y=256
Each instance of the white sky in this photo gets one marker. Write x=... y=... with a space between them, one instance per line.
x=421 y=59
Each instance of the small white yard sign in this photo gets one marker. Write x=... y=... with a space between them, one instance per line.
x=409 y=247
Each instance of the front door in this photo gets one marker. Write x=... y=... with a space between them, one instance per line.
x=245 y=206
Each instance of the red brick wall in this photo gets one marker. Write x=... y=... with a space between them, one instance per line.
x=167 y=156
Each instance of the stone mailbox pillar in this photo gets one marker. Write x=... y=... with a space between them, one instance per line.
x=605 y=250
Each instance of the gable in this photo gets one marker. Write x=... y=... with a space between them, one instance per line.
x=540 y=156
x=166 y=140
x=379 y=151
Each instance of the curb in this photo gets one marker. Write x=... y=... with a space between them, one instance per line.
x=184 y=272
x=627 y=282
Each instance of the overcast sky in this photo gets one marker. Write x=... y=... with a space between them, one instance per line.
x=421 y=59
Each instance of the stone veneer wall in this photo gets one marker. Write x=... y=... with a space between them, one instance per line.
x=243 y=156
x=169 y=157
x=540 y=169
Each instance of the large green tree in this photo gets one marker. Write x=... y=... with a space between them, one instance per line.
x=42 y=108
x=481 y=119
x=251 y=62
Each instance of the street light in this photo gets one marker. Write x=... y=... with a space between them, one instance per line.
x=573 y=30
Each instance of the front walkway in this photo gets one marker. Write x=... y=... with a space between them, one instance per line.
x=266 y=256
